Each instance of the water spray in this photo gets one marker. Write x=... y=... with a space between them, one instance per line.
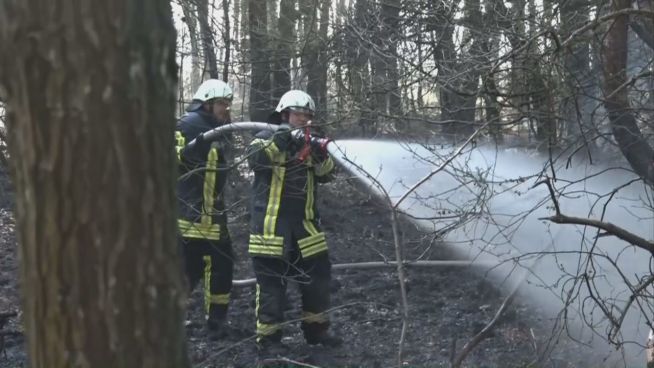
x=353 y=170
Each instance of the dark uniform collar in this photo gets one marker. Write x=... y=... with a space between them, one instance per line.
x=208 y=117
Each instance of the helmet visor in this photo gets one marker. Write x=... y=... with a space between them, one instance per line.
x=301 y=110
x=221 y=100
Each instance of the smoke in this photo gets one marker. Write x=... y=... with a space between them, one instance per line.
x=487 y=207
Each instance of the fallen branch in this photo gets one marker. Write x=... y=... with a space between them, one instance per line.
x=391 y=264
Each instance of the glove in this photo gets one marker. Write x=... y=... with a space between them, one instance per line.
x=319 y=147
x=282 y=137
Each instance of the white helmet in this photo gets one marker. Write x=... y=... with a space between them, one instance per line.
x=296 y=100
x=213 y=88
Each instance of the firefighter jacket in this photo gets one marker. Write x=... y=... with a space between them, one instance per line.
x=283 y=211
x=202 y=178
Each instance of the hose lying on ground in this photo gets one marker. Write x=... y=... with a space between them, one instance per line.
x=369 y=265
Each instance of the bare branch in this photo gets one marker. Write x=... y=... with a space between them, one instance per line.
x=486 y=331
x=597 y=22
x=610 y=228
x=441 y=167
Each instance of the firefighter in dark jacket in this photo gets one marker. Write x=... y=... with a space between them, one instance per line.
x=203 y=234
x=286 y=242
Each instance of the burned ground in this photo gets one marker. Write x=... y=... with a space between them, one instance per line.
x=447 y=305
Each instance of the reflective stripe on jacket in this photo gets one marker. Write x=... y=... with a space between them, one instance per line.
x=202 y=177
x=284 y=199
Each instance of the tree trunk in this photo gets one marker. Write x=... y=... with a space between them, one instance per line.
x=284 y=49
x=260 y=82
x=633 y=145
x=357 y=57
x=191 y=20
x=210 y=61
x=271 y=12
x=644 y=26
x=577 y=104
x=512 y=22
x=90 y=88
x=314 y=55
x=390 y=11
x=378 y=102
x=237 y=21
x=542 y=104
x=459 y=79
x=323 y=61
x=227 y=40
x=489 y=41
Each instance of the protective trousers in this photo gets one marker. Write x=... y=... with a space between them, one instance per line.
x=313 y=276
x=212 y=260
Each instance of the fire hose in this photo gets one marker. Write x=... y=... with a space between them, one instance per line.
x=300 y=134
x=307 y=138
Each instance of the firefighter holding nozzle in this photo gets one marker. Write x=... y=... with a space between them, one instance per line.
x=286 y=242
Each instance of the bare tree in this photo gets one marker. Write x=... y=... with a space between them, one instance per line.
x=315 y=23
x=260 y=80
x=578 y=81
x=284 y=49
x=227 y=40
x=191 y=19
x=632 y=143
x=90 y=93
x=207 y=36
x=357 y=57
x=391 y=22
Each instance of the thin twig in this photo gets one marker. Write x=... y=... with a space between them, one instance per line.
x=596 y=22
x=288 y=361
x=552 y=194
x=400 y=275
x=439 y=168
x=485 y=332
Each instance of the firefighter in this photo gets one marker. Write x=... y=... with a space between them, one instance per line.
x=203 y=234
x=286 y=242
